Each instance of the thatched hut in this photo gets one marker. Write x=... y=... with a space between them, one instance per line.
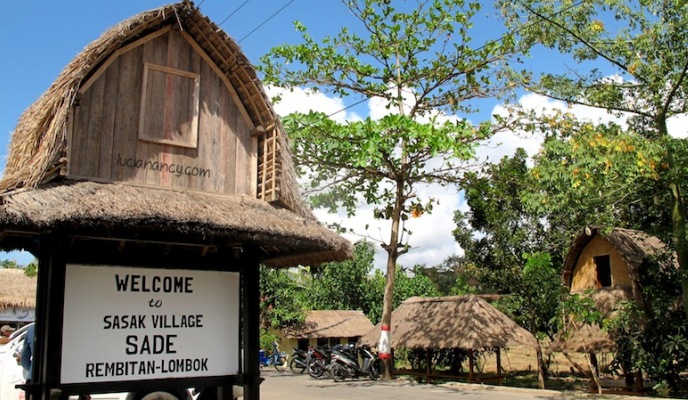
x=607 y=265
x=598 y=259
x=94 y=154
x=156 y=147
x=455 y=322
x=327 y=327
x=17 y=296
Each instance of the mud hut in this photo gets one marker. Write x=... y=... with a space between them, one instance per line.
x=455 y=322
x=327 y=327
x=156 y=147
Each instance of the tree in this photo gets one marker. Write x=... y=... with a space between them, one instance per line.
x=345 y=285
x=645 y=46
x=419 y=62
x=599 y=174
x=534 y=303
x=446 y=275
x=281 y=297
x=499 y=228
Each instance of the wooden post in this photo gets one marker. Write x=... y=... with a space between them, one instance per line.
x=470 y=365
x=498 y=353
x=251 y=329
x=428 y=364
x=48 y=329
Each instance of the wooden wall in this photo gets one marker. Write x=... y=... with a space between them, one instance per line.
x=159 y=113
x=584 y=272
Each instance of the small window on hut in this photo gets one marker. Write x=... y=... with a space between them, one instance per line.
x=169 y=106
x=604 y=270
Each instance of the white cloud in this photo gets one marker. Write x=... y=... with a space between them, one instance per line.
x=303 y=101
x=432 y=241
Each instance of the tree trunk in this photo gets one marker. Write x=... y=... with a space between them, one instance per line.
x=594 y=370
x=541 y=367
x=678 y=214
x=392 y=248
x=385 y=351
x=575 y=364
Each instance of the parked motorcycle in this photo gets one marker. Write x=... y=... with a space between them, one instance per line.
x=319 y=361
x=299 y=361
x=345 y=363
x=278 y=358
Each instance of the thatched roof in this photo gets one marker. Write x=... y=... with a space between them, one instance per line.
x=586 y=338
x=330 y=324
x=466 y=322
x=634 y=246
x=34 y=197
x=17 y=289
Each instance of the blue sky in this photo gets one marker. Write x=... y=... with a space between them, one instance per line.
x=39 y=38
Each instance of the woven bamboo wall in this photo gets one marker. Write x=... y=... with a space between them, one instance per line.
x=585 y=273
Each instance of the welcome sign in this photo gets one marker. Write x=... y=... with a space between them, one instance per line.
x=125 y=324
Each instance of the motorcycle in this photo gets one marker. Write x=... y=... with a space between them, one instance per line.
x=319 y=362
x=299 y=361
x=278 y=358
x=345 y=363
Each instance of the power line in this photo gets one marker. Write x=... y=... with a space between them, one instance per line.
x=233 y=12
x=502 y=37
x=266 y=21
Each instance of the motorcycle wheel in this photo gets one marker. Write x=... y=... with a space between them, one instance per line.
x=315 y=370
x=297 y=366
x=339 y=373
x=374 y=371
x=281 y=363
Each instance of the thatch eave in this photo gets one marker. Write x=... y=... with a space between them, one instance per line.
x=330 y=324
x=135 y=211
x=17 y=290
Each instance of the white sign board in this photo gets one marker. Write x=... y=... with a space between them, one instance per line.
x=124 y=323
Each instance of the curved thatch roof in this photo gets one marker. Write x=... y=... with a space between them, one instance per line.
x=34 y=197
x=466 y=322
x=17 y=289
x=634 y=246
x=330 y=324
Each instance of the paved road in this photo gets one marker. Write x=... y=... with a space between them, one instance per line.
x=281 y=386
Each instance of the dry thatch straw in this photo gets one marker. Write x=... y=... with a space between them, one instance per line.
x=17 y=289
x=586 y=338
x=330 y=324
x=35 y=196
x=465 y=322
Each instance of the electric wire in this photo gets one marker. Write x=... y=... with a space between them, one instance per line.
x=233 y=12
x=266 y=21
x=502 y=37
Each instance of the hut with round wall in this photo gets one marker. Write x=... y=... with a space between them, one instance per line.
x=607 y=264
x=155 y=159
x=466 y=322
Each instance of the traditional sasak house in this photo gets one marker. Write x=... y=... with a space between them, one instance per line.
x=156 y=147
x=606 y=267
